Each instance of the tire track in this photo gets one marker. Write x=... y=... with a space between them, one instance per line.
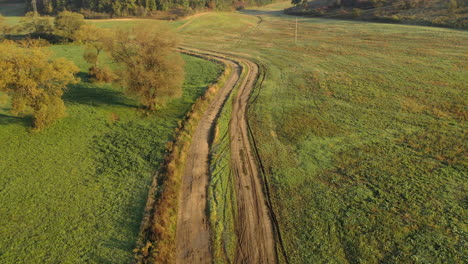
x=192 y=234
x=255 y=232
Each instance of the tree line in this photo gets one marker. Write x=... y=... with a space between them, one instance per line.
x=34 y=81
x=133 y=7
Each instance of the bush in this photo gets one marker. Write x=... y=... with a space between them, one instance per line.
x=357 y=12
x=104 y=75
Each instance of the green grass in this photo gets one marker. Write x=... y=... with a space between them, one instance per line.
x=361 y=128
x=75 y=192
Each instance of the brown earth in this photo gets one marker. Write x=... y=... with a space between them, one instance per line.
x=254 y=230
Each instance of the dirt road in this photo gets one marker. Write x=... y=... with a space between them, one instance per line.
x=192 y=235
x=256 y=242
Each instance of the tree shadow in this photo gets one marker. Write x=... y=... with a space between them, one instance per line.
x=93 y=95
x=9 y=120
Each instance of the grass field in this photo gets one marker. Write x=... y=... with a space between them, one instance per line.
x=362 y=129
x=75 y=192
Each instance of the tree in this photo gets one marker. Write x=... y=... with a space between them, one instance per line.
x=153 y=70
x=67 y=23
x=94 y=40
x=35 y=82
x=32 y=23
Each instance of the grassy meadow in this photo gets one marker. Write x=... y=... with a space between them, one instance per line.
x=75 y=192
x=362 y=130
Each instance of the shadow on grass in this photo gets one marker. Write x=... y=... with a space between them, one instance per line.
x=93 y=95
x=9 y=120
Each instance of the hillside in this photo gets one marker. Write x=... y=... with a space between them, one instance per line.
x=444 y=13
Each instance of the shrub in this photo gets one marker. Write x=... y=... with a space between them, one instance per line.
x=98 y=74
x=357 y=12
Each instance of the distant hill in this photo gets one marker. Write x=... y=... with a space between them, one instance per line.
x=118 y=8
x=445 y=13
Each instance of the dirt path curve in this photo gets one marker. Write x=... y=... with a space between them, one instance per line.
x=192 y=235
x=254 y=230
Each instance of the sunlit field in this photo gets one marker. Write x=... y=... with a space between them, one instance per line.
x=361 y=128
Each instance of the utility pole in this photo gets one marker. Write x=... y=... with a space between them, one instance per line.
x=295 y=35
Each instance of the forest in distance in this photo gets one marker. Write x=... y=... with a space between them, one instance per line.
x=103 y=8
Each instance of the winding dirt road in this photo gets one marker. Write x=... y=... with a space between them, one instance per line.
x=256 y=243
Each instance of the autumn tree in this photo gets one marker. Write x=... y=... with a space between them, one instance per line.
x=35 y=82
x=32 y=23
x=153 y=69
x=94 y=39
x=67 y=23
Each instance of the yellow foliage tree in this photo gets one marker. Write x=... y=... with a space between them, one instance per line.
x=67 y=23
x=35 y=82
x=33 y=23
x=94 y=40
x=153 y=68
